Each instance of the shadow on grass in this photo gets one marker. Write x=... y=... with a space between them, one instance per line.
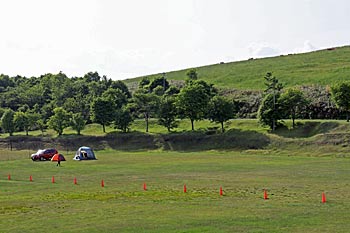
x=306 y=129
x=201 y=141
x=135 y=141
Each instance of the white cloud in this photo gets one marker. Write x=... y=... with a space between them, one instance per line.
x=262 y=49
x=307 y=47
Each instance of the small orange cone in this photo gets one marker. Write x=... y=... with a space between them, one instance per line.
x=144 y=186
x=75 y=180
x=185 y=188
x=221 y=192
x=30 y=178
x=102 y=183
x=9 y=177
x=53 y=179
x=323 y=198
x=265 y=195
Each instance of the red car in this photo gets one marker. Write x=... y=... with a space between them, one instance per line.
x=43 y=155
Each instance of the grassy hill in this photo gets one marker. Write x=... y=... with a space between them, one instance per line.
x=322 y=67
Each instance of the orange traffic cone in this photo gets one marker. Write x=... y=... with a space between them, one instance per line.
x=323 y=198
x=185 y=188
x=265 y=195
x=53 y=179
x=221 y=192
x=144 y=186
x=102 y=183
x=75 y=180
x=9 y=177
x=30 y=178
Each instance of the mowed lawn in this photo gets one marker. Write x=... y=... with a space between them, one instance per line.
x=294 y=183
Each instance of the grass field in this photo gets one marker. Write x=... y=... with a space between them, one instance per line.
x=322 y=67
x=294 y=183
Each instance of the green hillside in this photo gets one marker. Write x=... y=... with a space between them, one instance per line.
x=322 y=67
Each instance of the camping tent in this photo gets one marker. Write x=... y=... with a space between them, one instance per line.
x=56 y=156
x=84 y=153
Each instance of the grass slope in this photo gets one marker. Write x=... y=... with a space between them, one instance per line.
x=322 y=67
x=309 y=136
x=294 y=185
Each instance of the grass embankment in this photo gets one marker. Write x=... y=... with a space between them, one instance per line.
x=322 y=67
x=294 y=185
x=325 y=137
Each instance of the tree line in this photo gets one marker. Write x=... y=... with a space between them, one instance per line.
x=278 y=104
x=57 y=102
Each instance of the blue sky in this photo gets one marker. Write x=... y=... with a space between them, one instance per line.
x=124 y=39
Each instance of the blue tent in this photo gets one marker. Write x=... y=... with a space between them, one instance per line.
x=84 y=153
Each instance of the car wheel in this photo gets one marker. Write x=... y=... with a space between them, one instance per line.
x=42 y=158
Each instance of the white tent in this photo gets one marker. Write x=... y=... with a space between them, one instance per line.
x=84 y=153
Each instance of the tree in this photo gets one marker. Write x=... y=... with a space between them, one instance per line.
x=59 y=121
x=341 y=96
x=192 y=102
x=7 y=121
x=123 y=119
x=21 y=121
x=268 y=113
x=25 y=120
x=273 y=87
x=77 y=122
x=92 y=77
x=121 y=86
x=145 y=104
x=115 y=97
x=167 y=113
x=172 y=91
x=221 y=110
x=144 y=83
x=103 y=112
x=159 y=82
x=292 y=102
x=192 y=74
x=41 y=126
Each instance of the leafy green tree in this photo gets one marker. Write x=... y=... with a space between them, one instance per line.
x=2 y=111
x=77 y=122
x=145 y=104
x=5 y=83
x=59 y=121
x=192 y=102
x=121 y=86
x=144 y=83
x=92 y=77
x=192 y=74
x=269 y=111
x=40 y=124
x=293 y=103
x=341 y=96
x=221 y=110
x=123 y=119
x=7 y=121
x=116 y=97
x=159 y=82
x=172 y=91
x=273 y=87
x=167 y=113
x=103 y=112
x=22 y=122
